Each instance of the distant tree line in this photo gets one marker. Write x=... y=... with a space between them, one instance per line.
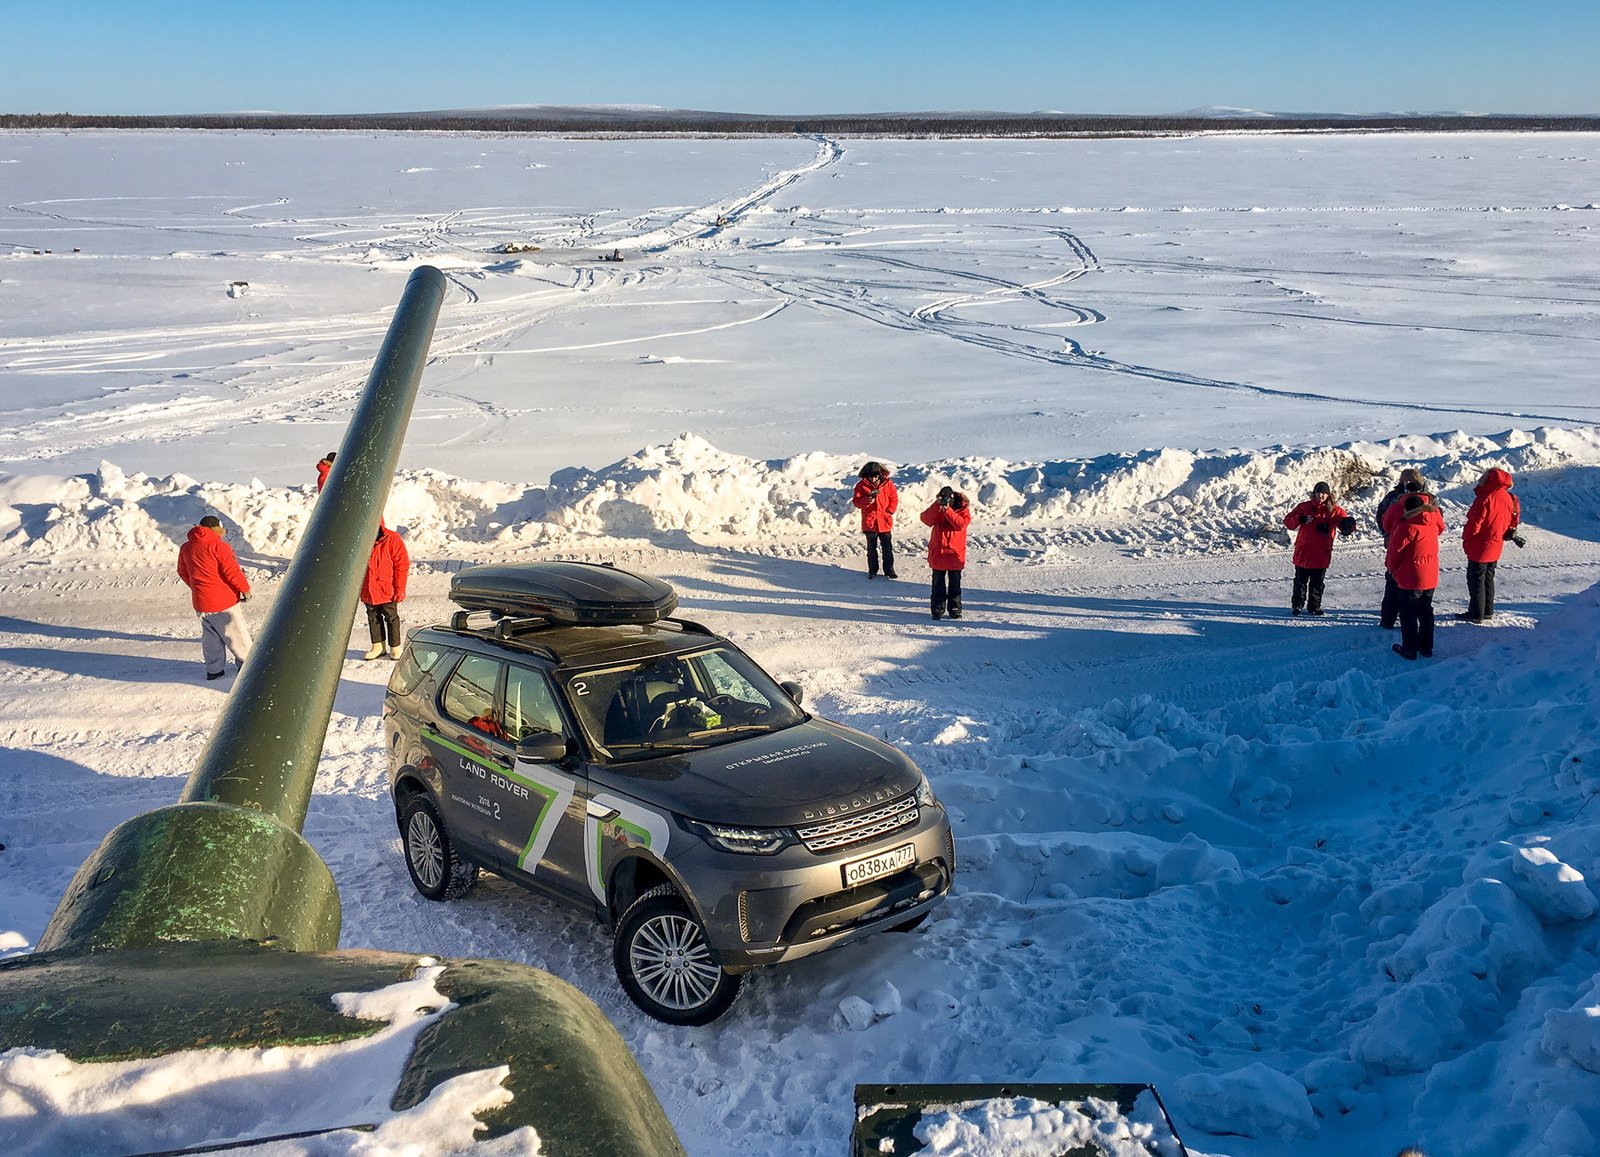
x=885 y=125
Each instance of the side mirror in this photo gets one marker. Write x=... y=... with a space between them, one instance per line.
x=794 y=691
x=542 y=747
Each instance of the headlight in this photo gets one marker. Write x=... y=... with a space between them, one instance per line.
x=925 y=794
x=747 y=841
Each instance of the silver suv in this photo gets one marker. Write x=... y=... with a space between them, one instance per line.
x=566 y=733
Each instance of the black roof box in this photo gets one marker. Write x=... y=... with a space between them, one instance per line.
x=579 y=593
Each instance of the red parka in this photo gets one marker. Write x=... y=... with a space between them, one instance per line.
x=877 y=505
x=1315 y=525
x=1494 y=515
x=388 y=567
x=207 y=565
x=323 y=466
x=1413 y=555
x=947 y=546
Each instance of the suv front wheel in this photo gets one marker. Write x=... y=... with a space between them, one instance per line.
x=665 y=964
x=436 y=870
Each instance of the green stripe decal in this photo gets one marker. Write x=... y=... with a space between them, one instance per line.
x=476 y=756
x=600 y=836
x=549 y=797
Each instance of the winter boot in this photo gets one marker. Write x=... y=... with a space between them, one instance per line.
x=938 y=610
x=394 y=652
x=955 y=607
x=373 y=651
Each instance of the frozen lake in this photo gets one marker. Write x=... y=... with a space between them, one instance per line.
x=909 y=299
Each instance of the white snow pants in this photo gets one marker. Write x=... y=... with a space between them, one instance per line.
x=221 y=632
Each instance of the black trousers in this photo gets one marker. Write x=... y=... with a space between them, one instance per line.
x=383 y=623
x=1389 y=609
x=1308 y=588
x=947 y=593
x=1480 y=589
x=880 y=540
x=1416 y=622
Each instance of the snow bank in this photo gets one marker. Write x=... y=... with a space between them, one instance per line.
x=1175 y=500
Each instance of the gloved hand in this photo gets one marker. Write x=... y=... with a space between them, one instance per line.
x=1303 y=519
x=1517 y=538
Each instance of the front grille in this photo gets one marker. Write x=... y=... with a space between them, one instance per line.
x=860 y=827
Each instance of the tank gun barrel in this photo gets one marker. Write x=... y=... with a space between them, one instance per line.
x=228 y=862
x=264 y=749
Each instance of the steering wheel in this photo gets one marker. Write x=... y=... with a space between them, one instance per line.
x=664 y=720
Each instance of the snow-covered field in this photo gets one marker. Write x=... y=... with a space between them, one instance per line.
x=1322 y=899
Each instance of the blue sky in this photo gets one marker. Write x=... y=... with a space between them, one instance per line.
x=1109 y=56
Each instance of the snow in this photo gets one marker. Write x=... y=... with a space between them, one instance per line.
x=50 y=1105
x=1317 y=897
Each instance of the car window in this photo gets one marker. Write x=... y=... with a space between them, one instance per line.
x=723 y=679
x=530 y=705
x=469 y=695
x=418 y=660
x=678 y=702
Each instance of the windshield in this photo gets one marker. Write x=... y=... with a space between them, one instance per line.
x=678 y=703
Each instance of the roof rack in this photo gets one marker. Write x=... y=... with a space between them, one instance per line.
x=504 y=628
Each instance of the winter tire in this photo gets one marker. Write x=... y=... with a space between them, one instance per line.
x=436 y=870
x=665 y=965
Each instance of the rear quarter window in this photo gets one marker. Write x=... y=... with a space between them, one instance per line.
x=419 y=659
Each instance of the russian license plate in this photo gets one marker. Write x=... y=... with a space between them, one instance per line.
x=882 y=864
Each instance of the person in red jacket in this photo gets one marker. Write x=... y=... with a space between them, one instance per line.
x=383 y=589
x=1316 y=522
x=949 y=516
x=1411 y=482
x=877 y=499
x=324 y=464
x=1492 y=521
x=1413 y=559
x=217 y=586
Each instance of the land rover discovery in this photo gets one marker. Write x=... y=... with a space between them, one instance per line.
x=565 y=731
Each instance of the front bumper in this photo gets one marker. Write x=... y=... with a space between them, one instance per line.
x=761 y=910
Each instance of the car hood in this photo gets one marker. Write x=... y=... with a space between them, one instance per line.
x=816 y=770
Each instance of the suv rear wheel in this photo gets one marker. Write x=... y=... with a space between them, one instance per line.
x=665 y=964
x=436 y=870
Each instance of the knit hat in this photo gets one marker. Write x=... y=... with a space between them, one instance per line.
x=1322 y=488
x=1411 y=480
x=1413 y=502
x=212 y=521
